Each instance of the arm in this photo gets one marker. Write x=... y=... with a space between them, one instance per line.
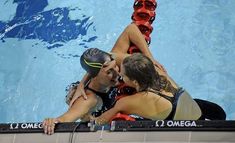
x=79 y=91
x=120 y=106
x=79 y=109
x=119 y=57
x=130 y=35
x=133 y=35
x=107 y=116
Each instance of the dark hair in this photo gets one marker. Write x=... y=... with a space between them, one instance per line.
x=140 y=68
x=93 y=59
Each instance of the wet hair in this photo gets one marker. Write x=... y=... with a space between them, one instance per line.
x=93 y=59
x=140 y=68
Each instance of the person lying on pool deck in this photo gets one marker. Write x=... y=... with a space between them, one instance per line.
x=151 y=101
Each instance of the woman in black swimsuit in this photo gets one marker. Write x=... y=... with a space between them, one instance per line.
x=156 y=99
x=104 y=74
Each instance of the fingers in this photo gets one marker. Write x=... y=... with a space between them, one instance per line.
x=73 y=100
x=92 y=118
x=49 y=125
x=79 y=92
x=82 y=91
x=163 y=69
x=76 y=95
x=84 y=94
x=72 y=92
x=160 y=67
x=99 y=121
x=70 y=95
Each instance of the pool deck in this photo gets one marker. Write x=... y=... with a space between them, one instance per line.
x=122 y=131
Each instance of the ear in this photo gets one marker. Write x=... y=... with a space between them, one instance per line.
x=136 y=84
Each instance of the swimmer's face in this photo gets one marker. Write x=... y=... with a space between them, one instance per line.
x=125 y=77
x=109 y=73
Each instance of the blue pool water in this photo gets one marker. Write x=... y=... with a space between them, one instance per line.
x=40 y=45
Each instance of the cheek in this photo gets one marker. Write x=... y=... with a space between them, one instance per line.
x=117 y=68
x=105 y=79
x=126 y=80
x=107 y=76
x=110 y=76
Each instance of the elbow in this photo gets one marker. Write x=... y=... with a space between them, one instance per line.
x=117 y=50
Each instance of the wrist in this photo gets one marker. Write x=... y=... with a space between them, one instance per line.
x=59 y=120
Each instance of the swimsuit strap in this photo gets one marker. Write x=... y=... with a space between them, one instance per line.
x=98 y=93
x=106 y=98
x=174 y=104
x=171 y=99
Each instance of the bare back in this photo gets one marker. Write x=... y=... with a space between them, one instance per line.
x=148 y=105
x=153 y=106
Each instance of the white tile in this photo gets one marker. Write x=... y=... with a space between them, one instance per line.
x=213 y=136
x=123 y=137
x=86 y=137
x=35 y=138
x=167 y=136
x=6 y=138
x=63 y=137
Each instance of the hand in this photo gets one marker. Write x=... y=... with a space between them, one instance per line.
x=87 y=117
x=70 y=94
x=49 y=125
x=92 y=118
x=160 y=66
x=78 y=92
x=99 y=121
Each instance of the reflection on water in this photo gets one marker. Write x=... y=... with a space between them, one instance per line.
x=52 y=26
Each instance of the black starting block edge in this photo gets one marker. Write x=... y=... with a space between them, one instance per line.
x=121 y=126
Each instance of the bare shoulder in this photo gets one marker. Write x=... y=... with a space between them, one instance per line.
x=91 y=99
x=127 y=102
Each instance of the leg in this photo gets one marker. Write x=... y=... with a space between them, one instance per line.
x=211 y=110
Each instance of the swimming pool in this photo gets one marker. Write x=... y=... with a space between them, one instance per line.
x=40 y=48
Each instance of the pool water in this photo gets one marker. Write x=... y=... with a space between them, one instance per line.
x=41 y=43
